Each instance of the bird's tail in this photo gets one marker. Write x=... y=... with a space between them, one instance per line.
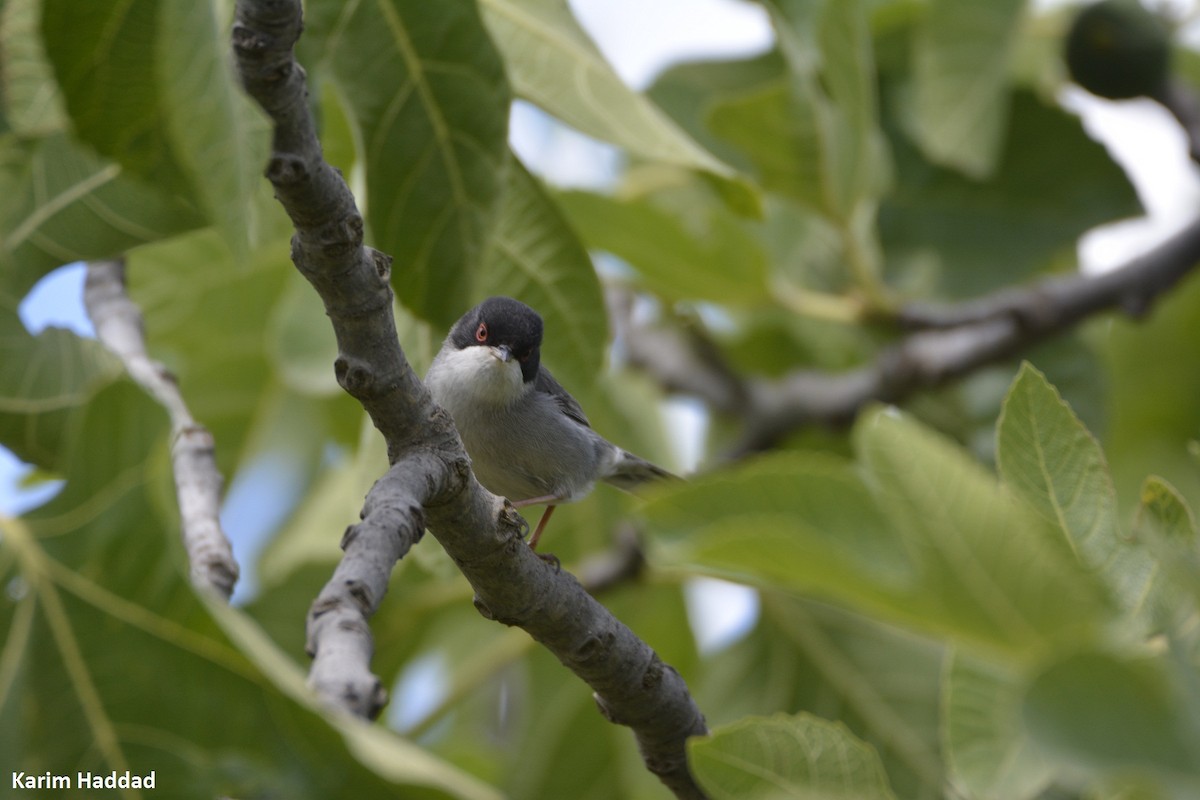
x=630 y=472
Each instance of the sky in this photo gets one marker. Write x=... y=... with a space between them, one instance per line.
x=640 y=38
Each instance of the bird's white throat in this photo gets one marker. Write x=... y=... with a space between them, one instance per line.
x=476 y=377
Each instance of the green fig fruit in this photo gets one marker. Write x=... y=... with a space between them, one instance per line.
x=1117 y=49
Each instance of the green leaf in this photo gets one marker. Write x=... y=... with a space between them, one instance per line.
x=534 y=256
x=1154 y=398
x=104 y=56
x=101 y=628
x=300 y=339
x=797 y=521
x=150 y=86
x=768 y=758
x=1110 y=716
x=60 y=203
x=553 y=64
x=1051 y=461
x=43 y=379
x=220 y=136
x=988 y=570
x=702 y=252
x=961 y=61
x=689 y=92
x=977 y=236
x=832 y=76
x=426 y=89
x=986 y=745
x=1165 y=525
x=31 y=97
x=251 y=347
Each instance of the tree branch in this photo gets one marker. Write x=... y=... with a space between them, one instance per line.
x=430 y=482
x=947 y=341
x=118 y=324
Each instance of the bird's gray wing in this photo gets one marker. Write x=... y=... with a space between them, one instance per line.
x=545 y=383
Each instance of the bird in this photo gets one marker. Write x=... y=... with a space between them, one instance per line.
x=528 y=439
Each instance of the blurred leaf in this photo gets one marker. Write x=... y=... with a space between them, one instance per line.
x=883 y=683
x=799 y=521
x=775 y=757
x=839 y=84
x=220 y=136
x=925 y=538
x=553 y=63
x=43 y=379
x=534 y=256
x=213 y=337
x=812 y=131
x=986 y=744
x=962 y=54
x=300 y=339
x=1154 y=397
x=988 y=571
x=706 y=254
x=689 y=92
x=1111 y=716
x=1052 y=183
x=1051 y=461
x=60 y=203
x=426 y=90
x=1165 y=525
x=33 y=102
x=156 y=93
x=102 y=628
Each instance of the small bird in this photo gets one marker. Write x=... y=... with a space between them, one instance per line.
x=527 y=437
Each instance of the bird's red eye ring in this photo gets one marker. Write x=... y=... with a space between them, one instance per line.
x=481 y=333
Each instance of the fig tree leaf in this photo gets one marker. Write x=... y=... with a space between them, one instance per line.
x=768 y=758
x=426 y=91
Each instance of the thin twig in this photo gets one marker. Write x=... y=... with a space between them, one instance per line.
x=118 y=324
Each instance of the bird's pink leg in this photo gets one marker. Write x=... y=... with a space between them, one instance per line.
x=537 y=534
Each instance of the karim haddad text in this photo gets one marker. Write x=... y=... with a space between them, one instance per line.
x=84 y=780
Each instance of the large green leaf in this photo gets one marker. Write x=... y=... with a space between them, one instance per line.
x=989 y=570
x=426 y=90
x=1166 y=526
x=1111 y=716
x=32 y=101
x=43 y=379
x=776 y=757
x=924 y=537
x=961 y=54
x=986 y=744
x=553 y=63
x=702 y=252
x=962 y=237
x=221 y=339
x=1154 y=397
x=60 y=203
x=796 y=521
x=101 y=629
x=150 y=86
x=828 y=49
x=689 y=91
x=1050 y=460
x=534 y=256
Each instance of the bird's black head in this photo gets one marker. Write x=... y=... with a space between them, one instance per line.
x=502 y=322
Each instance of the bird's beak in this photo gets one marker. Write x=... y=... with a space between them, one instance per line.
x=503 y=353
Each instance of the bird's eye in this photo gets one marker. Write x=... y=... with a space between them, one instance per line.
x=481 y=333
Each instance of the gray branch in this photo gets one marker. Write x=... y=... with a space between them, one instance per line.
x=945 y=342
x=118 y=324
x=430 y=482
